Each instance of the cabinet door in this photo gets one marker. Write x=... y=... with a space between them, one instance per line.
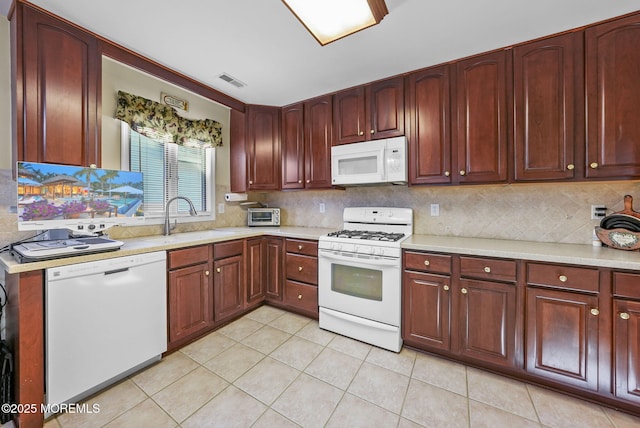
x=228 y=287
x=190 y=301
x=488 y=321
x=318 y=140
x=548 y=118
x=263 y=148
x=481 y=129
x=349 y=116
x=274 y=268
x=429 y=105
x=237 y=152
x=57 y=91
x=613 y=99
x=255 y=254
x=562 y=337
x=426 y=309
x=627 y=350
x=293 y=153
x=385 y=108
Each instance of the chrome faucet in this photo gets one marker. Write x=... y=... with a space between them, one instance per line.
x=167 y=226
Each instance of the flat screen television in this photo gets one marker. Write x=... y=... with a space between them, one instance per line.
x=81 y=199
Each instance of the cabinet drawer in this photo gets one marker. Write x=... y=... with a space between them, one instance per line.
x=188 y=256
x=492 y=269
x=626 y=285
x=301 y=296
x=427 y=262
x=227 y=249
x=302 y=268
x=301 y=246
x=565 y=277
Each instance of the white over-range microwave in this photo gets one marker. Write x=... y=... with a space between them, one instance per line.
x=370 y=162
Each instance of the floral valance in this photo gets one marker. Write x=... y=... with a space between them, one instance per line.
x=162 y=123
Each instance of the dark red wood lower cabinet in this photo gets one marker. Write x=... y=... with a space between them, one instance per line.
x=627 y=350
x=562 y=337
x=426 y=312
x=488 y=321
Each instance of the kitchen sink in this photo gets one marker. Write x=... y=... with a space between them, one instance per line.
x=188 y=236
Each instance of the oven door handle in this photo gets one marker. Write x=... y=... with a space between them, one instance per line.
x=340 y=256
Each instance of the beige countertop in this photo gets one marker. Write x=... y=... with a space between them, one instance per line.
x=577 y=254
x=146 y=244
x=586 y=255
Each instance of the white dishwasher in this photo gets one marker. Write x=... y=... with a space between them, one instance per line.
x=103 y=320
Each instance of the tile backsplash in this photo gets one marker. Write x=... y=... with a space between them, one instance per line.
x=546 y=212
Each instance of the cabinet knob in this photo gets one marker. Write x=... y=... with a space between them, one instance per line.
x=463 y=291
x=445 y=287
x=299 y=181
x=463 y=172
x=299 y=296
x=624 y=315
x=595 y=311
x=570 y=166
x=361 y=133
x=308 y=181
x=427 y=262
x=563 y=278
x=250 y=181
x=206 y=273
x=373 y=131
x=447 y=173
x=299 y=247
x=299 y=268
x=218 y=270
x=487 y=269
x=593 y=165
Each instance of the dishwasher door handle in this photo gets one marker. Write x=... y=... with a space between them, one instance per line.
x=111 y=272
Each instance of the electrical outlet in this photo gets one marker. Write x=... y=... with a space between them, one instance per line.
x=435 y=210
x=598 y=212
x=322 y=207
x=220 y=208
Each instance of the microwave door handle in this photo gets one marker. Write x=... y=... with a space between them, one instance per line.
x=382 y=164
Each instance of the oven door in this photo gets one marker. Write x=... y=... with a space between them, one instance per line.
x=360 y=285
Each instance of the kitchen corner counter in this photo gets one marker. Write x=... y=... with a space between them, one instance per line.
x=577 y=254
x=147 y=244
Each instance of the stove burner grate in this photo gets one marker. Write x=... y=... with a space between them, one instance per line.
x=367 y=235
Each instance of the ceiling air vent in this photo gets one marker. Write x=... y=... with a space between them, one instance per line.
x=232 y=80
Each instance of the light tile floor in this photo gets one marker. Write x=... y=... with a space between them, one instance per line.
x=272 y=368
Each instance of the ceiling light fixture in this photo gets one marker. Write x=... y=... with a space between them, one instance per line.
x=330 y=20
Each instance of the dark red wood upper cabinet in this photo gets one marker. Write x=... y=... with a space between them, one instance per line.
x=384 y=108
x=293 y=152
x=237 y=151
x=613 y=99
x=349 y=116
x=318 y=139
x=369 y=112
x=548 y=88
x=58 y=91
x=263 y=148
x=481 y=138
x=429 y=118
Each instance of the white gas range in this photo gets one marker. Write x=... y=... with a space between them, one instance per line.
x=359 y=275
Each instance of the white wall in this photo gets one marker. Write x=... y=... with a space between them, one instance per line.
x=118 y=77
x=5 y=99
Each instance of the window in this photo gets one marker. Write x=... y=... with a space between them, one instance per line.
x=171 y=170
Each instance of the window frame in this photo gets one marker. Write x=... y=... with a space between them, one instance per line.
x=156 y=218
